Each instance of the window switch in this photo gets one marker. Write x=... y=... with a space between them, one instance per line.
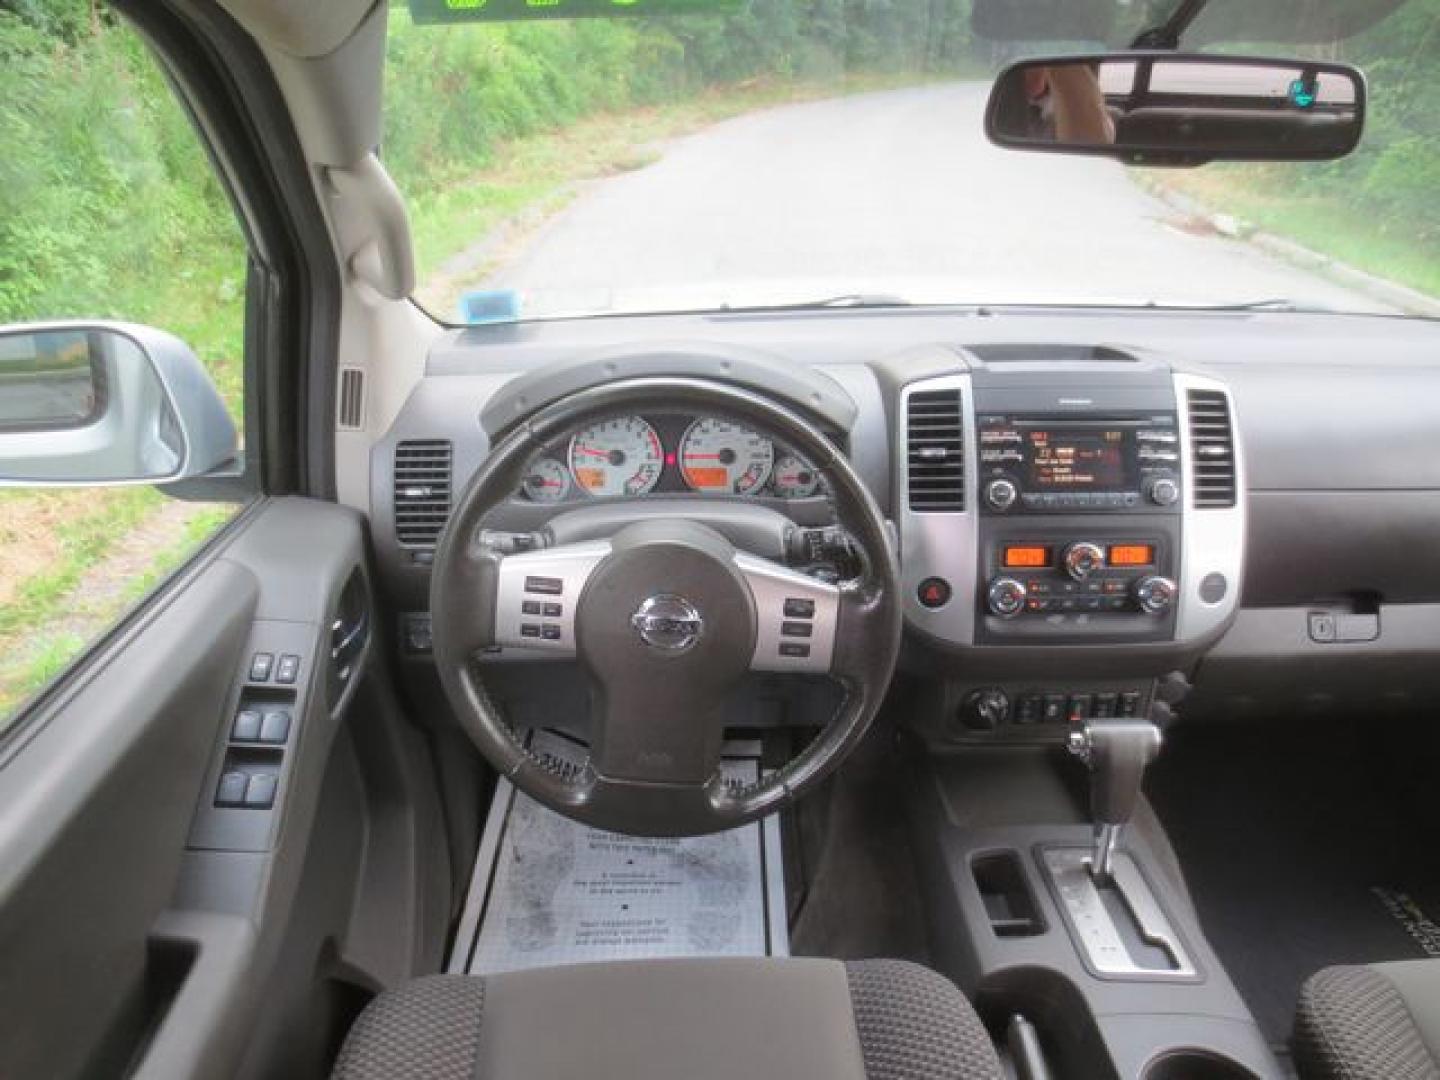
x=275 y=728
x=231 y=791
x=247 y=726
x=260 y=665
x=260 y=791
x=288 y=669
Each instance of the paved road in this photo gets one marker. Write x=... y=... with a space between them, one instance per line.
x=892 y=191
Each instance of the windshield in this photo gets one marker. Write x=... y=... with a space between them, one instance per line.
x=790 y=152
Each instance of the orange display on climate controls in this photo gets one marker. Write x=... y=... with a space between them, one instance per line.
x=1025 y=555
x=1131 y=555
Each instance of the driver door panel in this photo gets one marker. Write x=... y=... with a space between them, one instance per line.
x=145 y=927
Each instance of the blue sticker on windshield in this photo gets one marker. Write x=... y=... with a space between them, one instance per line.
x=1302 y=93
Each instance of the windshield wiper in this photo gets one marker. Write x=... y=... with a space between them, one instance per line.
x=843 y=300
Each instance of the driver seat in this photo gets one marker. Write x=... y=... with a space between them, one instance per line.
x=712 y=1019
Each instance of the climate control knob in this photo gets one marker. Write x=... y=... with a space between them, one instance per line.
x=1155 y=595
x=1163 y=491
x=1001 y=495
x=1006 y=597
x=1082 y=559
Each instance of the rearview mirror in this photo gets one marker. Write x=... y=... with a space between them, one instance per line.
x=106 y=403
x=1149 y=108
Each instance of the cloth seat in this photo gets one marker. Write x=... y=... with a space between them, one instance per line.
x=1370 y=1022
x=714 y=1019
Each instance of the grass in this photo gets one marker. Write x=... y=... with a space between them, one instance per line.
x=106 y=563
x=1322 y=222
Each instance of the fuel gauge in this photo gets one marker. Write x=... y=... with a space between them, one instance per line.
x=793 y=479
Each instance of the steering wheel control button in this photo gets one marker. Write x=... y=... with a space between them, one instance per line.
x=231 y=791
x=799 y=609
x=288 y=669
x=552 y=611
x=247 y=726
x=530 y=629
x=796 y=629
x=668 y=622
x=275 y=728
x=530 y=607
x=261 y=665
x=546 y=586
x=260 y=791
x=1083 y=559
x=934 y=592
x=794 y=649
x=550 y=632
x=1006 y=598
x=1155 y=595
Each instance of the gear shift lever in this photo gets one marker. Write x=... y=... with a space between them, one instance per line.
x=1117 y=752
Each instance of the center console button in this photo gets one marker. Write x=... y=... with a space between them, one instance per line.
x=1052 y=709
x=1001 y=495
x=1155 y=595
x=1104 y=706
x=1163 y=491
x=1079 y=708
x=1082 y=559
x=1006 y=597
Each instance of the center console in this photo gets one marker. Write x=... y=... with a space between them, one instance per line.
x=1076 y=513
x=1072 y=527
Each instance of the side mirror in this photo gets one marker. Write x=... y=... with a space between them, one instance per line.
x=106 y=403
x=1162 y=108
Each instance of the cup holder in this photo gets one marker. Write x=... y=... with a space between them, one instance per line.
x=1196 y=1065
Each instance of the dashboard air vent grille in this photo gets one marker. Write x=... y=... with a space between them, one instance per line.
x=1212 y=446
x=422 y=491
x=935 y=454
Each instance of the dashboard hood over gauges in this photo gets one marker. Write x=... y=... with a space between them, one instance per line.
x=811 y=392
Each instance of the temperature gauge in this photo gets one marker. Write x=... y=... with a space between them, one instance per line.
x=546 y=481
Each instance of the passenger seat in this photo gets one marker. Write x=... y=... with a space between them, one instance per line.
x=1370 y=1022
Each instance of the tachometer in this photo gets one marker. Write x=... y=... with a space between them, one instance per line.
x=794 y=479
x=617 y=457
x=719 y=456
x=546 y=481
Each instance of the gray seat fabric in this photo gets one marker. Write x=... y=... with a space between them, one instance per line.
x=697 y=1019
x=1370 y=1022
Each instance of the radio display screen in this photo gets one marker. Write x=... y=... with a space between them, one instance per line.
x=1080 y=459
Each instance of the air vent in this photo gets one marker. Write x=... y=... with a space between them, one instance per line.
x=351 y=413
x=1212 y=448
x=422 y=491
x=935 y=441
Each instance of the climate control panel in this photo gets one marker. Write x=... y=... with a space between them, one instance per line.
x=1078 y=581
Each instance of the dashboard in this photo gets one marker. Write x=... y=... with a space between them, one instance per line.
x=1081 y=538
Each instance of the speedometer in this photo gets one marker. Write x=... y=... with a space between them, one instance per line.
x=719 y=456
x=617 y=457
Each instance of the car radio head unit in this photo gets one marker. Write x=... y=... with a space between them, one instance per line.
x=1040 y=464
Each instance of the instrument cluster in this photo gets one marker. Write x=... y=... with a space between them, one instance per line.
x=629 y=456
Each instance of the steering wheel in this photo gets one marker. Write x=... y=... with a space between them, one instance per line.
x=666 y=617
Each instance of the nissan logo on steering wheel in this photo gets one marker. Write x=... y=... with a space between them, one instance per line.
x=667 y=621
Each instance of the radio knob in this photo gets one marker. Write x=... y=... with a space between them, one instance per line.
x=1164 y=491
x=1006 y=597
x=1083 y=559
x=1155 y=595
x=1001 y=495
